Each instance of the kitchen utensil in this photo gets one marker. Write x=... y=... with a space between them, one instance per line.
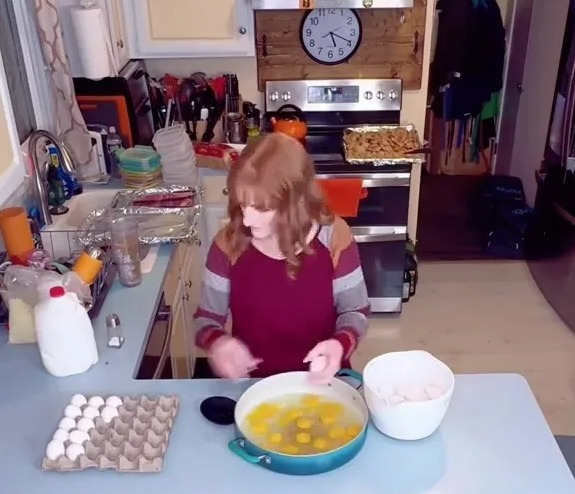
x=343 y=195
x=237 y=131
x=407 y=393
x=290 y=383
x=290 y=122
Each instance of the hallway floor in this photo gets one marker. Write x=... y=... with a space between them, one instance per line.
x=486 y=316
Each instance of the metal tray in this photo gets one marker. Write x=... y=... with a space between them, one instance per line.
x=129 y=198
x=157 y=225
x=408 y=159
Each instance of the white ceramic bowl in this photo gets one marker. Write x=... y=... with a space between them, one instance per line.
x=407 y=393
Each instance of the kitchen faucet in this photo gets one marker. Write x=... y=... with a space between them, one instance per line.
x=41 y=185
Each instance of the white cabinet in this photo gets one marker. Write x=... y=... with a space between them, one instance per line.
x=189 y=28
x=115 y=31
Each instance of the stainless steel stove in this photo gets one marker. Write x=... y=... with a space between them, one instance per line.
x=329 y=106
x=380 y=227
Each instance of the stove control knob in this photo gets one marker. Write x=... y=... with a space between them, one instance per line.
x=286 y=96
x=368 y=95
x=392 y=95
x=274 y=96
x=380 y=95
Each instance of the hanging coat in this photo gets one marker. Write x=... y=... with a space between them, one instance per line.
x=470 y=43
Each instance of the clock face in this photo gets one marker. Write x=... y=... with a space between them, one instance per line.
x=331 y=36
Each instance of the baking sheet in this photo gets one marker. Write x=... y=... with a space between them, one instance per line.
x=157 y=225
x=168 y=196
x=408 y=159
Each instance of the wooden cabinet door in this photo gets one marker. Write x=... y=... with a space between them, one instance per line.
x=190 y=28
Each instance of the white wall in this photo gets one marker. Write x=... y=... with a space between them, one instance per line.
x=539 y=79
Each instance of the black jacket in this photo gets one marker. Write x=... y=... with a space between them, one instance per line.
x=470 y=41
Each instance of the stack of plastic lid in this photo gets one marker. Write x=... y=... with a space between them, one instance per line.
x=178 y=157
x=140 y=167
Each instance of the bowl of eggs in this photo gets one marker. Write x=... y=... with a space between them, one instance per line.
x=407 y=393
x=288 y=425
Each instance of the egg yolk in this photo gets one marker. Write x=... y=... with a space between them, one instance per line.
x=310 y=401
x=336 y=432
x=303 y=438
x=259 y=428
x=320 y=443
x=275 y=438
x=304 y=423
x=290 y=449
x=353 y=430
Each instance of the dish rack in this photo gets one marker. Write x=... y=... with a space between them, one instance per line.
x=62 y=245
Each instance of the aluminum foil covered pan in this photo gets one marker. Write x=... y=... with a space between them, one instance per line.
x=157 y=225
x=381 y=145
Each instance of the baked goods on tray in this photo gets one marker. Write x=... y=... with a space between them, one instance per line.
x=373 y=143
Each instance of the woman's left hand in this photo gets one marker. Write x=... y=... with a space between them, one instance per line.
x=324 y=361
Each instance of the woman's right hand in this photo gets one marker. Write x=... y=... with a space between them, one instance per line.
x=231 y=359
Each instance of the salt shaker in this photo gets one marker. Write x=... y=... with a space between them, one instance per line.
x=114 y=331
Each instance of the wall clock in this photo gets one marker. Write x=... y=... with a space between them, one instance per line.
x=330 y=36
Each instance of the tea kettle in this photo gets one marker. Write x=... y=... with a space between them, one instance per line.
x=291 y=122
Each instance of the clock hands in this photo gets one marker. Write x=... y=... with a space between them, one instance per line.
x=333 y=35
x=341 y=37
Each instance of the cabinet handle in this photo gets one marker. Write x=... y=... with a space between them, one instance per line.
x=186 y=297
x=164 y=353
x=242 y=30
x=226 y=191
x=120 y=44
x=188 y=284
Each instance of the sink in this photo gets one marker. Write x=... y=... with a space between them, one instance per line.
x=58 y=238
x=81 y=206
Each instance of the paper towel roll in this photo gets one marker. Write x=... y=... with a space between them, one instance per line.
x=93 y=42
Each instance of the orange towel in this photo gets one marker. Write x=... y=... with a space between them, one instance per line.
x=343 y=195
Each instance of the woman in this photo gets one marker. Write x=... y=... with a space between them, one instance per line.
x=286 y=269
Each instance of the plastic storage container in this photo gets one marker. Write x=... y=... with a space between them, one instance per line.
x=65 y=334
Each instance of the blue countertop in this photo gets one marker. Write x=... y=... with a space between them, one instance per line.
x=494 y=438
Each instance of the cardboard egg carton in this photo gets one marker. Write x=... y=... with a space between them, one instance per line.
x=135 y=441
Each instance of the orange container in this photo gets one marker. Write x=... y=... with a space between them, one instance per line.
x=343 y=195
x=17 y=234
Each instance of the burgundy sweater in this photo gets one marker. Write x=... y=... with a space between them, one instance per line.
x=281 y=319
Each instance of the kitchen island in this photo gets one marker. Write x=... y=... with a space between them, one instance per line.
x=494 y=439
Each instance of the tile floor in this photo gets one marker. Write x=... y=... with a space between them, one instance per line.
x=486 y=317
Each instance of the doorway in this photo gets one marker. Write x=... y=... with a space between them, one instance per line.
x=448 y=227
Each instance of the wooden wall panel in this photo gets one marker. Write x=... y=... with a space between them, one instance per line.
x=392 y=46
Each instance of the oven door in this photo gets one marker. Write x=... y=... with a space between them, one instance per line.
x=387 y=198
x=382 y=253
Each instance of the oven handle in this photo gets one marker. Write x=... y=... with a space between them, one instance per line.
x=365 y=234
x=371 y=180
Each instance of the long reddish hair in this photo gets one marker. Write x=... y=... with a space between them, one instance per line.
x=276 y=173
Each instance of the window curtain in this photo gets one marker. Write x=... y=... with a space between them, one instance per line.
x=70 y=125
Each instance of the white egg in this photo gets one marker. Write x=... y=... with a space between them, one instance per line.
x=85 y=424
x=114 y=401
x=55 y=449
x=108 y=414
x=91 y=412
x=78 y=400
x=61 y=435
x=74 y=450
x=67 y=423
x=96 y=401
x=72 y=411
x=79 y=437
